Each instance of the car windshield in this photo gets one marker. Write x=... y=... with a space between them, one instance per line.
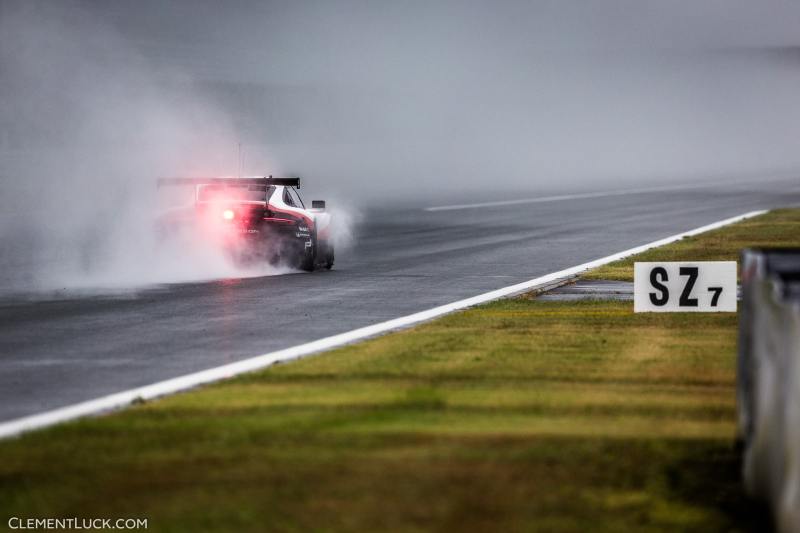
x=241 y=193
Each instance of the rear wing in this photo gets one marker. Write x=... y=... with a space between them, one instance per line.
x=249 y=180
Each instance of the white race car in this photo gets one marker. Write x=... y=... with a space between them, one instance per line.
x=256 y=218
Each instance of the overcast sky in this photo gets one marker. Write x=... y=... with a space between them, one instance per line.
x=369 y=97
x=342 y=40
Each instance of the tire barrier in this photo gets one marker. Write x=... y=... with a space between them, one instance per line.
x=768 y=381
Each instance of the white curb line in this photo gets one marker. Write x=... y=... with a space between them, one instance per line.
x=182 y=383
x=578 y=196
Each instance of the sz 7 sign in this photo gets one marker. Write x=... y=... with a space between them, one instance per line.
x=681 y=287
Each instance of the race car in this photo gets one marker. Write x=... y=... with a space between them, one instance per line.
x=255 y=218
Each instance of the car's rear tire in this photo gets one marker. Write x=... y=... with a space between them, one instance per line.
x=307 y=261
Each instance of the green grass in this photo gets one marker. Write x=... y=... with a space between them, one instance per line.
x=519 y=415
x=779 y=228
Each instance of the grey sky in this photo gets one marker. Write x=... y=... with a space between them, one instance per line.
x=337 y=40
x=369 y=97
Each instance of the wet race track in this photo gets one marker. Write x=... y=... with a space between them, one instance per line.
x=59 y=351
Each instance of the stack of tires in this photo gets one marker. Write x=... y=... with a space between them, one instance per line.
x=768 y=380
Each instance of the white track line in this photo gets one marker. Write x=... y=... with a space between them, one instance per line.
x=182 y=383
x=579 y=196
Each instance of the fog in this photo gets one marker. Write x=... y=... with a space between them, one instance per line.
x=86 y=128
x=371 y=103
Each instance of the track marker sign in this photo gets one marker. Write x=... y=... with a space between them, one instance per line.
x=670 y=287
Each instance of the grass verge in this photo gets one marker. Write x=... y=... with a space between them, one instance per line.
x=778 y=228
x=518 y=415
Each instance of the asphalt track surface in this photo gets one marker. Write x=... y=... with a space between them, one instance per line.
x=62 y=351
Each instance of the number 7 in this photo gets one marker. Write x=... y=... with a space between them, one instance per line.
x=715 y=297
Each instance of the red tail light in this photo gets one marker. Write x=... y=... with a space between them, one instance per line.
x=228 y=214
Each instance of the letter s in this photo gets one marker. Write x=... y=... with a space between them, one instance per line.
x=657 y=275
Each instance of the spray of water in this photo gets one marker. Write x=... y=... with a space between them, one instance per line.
x=87 y=126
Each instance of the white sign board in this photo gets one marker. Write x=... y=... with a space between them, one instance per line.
x=684 y=287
